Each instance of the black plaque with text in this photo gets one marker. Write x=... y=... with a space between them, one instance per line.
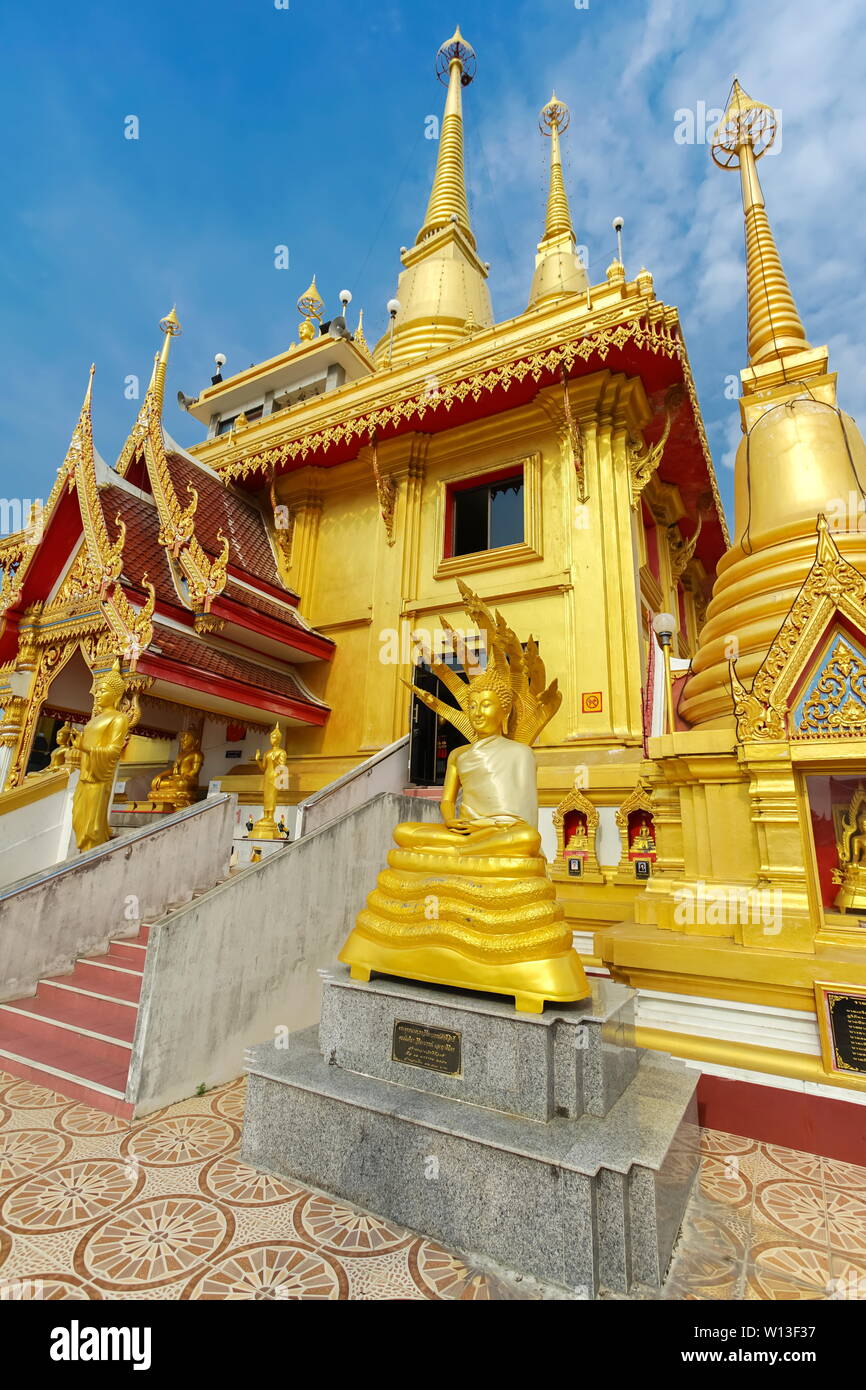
x=436 y=1049
x=848 y=1031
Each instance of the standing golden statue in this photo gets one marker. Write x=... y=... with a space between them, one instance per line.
x=177 y=786
x=469 y=903
x=101 y=744
x=275 y=778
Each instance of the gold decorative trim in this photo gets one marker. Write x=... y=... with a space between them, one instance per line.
x=832 y=586
x=576 y=800
x=530 y=548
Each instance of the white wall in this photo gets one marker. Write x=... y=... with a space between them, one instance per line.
x=243 y=961
x=49 y=919
x=38 y=835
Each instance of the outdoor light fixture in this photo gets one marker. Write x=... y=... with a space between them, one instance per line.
x=665 y=629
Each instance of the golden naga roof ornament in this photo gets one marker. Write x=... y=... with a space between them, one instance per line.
x=204 y=576
x=310 y=305
x=745 y=133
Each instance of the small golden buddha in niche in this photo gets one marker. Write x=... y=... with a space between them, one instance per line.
x=177 y=786
x=851 y=849
x=101 y=744
x=644 y=840
x=578 y=840
x=274 y=765
x=469 y=903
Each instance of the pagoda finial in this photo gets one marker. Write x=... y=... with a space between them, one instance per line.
x=554 y=119
x=171 y=328
x=311 y=305
x=455 y=66
x=558 y=270
x=744 y=134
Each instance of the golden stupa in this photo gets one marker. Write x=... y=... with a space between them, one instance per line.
x=469 y=903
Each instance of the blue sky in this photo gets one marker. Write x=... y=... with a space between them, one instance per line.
x=305 y=126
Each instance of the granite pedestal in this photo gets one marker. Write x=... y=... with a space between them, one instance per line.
x=544 y=1143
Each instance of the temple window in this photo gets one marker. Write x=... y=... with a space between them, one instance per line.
x=485 y=514
x=837 y=815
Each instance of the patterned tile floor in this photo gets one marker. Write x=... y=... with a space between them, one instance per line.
x=94 y=1207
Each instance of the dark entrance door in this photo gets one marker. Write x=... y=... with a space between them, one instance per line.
x=432 y=737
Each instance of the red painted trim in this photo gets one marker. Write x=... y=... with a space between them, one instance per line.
x=226 y=689
x=234 y=611
x=266 y=589
x=795 y=1119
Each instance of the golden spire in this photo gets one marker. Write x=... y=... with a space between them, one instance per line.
x=171 y=328
x=558 y=270
x=745 y=133
x=455 y=64
x=554 y=118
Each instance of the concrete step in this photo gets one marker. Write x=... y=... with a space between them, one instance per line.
x=102 y=976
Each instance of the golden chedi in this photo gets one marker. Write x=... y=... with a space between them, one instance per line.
x=469 y=903
x=101 y=744
x=178 y=785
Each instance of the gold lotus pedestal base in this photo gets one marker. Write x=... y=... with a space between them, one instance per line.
x=493 y=924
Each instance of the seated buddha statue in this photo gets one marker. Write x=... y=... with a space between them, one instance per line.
x=851 y=850
x=468 y=903
x=177 y=786
x=60 y=756
x=644 y=840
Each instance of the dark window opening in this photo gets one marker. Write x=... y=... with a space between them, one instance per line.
x=432 y=737
x=487 y=516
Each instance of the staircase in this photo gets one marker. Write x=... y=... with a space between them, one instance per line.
x=75 y=1034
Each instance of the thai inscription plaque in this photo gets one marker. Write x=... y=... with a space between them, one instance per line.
x=435 y=1049
x=842 y=1024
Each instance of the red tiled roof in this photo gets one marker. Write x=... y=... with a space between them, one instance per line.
x=220 y=508
x=193 y=652
x=281 y=613
x=142 y=552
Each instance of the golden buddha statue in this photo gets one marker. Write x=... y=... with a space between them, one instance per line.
x=60 y=755
x=177 y=786
x=101 y=744
x=469 y=903
x=851 y=849
x=578 y=840
x=644 y=840
x=274 y=765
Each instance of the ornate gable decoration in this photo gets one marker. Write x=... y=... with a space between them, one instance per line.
x=835 y=704
x=199 y=578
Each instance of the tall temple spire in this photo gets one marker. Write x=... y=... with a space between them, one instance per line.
x=455 y=63
x=558 y=270
x=799 y=451
x=442 y=292
x=745 y=133
x=555 y=117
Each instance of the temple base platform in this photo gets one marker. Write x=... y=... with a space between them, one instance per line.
x=542 y=1143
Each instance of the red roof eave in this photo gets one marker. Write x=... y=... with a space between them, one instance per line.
x=234 y=690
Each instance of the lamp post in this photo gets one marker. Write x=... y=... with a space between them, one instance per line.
x=665 y=628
